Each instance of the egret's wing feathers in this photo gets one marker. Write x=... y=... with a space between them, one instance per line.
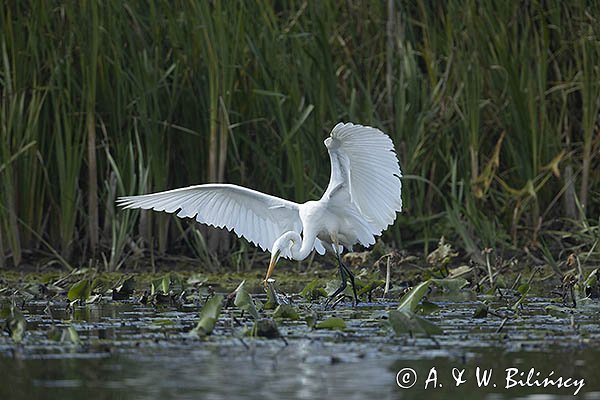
x=365 y=172
x=258 y=217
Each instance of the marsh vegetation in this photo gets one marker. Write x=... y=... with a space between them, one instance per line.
x=494 y=110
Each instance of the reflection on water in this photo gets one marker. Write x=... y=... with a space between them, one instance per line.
x=134 y=352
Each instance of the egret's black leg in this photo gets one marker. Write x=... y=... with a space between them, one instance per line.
x=351 y=276
x=345 y=274
x=338 y=290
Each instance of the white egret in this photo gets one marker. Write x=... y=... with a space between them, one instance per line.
x=361 y=200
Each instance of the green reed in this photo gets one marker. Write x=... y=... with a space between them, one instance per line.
x=493 y=108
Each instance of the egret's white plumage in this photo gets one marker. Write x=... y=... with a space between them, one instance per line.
x=361 y=200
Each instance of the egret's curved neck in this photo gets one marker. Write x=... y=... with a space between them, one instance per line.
x=301 y=246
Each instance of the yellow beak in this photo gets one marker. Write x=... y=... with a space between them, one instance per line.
x=274 y=258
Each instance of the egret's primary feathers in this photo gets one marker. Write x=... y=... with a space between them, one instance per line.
x=361 y=200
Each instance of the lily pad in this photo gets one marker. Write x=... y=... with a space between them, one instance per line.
x=15 y=322
x=273 y=298
x=451 y=284
x=481 y=311
x=123 y=290
x=558 y=312
x=313 y=291
x=331 y=323
x=266 y=328
x=410 y=301
x=427 y=307
x=70 y=335
x=161 y=285
x=209 y=316
x=408 y=322
x=80 y=290
x=286 y=311
x=243 y=301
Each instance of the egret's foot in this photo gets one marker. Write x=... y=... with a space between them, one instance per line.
x=335 y=294
x=351 y=277
x=345 y=274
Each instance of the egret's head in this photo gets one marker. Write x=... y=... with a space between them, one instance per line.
x=282 y=248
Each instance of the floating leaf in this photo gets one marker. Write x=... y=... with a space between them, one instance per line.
x=161 y=285
x=311 y=319
x=451 y=284
x=243 y=301
x=266 y=328
x=286 y=311
x=558 y=312
x=273 y=298
x=124 y=290
x=209 y=316
x=427 y=307
x=408 y=322
x=99 y=285
x=15 y=322
x=80 y=290
x=70 y=335
x=163 y=322
x=481 y=311
x=372 y=285
x=331 y=323
x=313 y=291
x=54 y=333
x=410 y=300
x=523 y=289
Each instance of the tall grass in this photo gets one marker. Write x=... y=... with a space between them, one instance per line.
x=493 y=108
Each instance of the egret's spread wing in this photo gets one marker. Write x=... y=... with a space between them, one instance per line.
x=258 y=217
x=365 y=171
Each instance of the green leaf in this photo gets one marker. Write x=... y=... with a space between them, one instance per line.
x=409 y=322
x=558 y=312
x=124 y=290
x=70 y=335
x=209 y=316
x=312 y=291
x=54 y=333
x=243 y=301
x=266 y=328
x=15 y=322
x=451 y=284
x=427 y=307
x=273 y=299
x=80 y=290
x=592 y=278
x=410 y=300
x=163 y=322
x=481 y=311
x=523 y=289
x=161 y=285
x=311 y=319
x=286 y=311
x=372 y=285
x=588 y=287
x=331 y=323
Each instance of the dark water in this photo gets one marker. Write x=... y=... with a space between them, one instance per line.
x=130 y=351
